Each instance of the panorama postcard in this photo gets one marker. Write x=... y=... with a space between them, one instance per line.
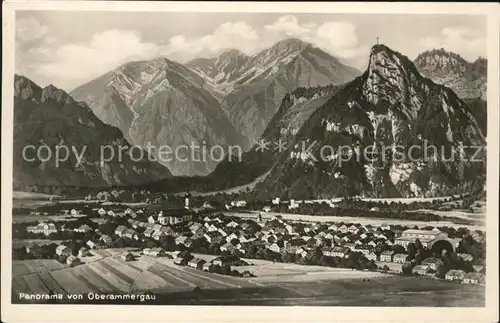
x=250 y=157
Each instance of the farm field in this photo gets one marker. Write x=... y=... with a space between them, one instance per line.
x=106 y=272
x=32 y=195
x=275 y=284
x=362 y=220
x=19 y=218
x=380 y=291
x=16 y=243
x=479 y=214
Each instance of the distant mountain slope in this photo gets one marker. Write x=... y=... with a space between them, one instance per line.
x=391 y=105
x=294 y=110
x=169 y=107
x=220 y=71
x=51 y=117
x=467 y=80
x=254 y=87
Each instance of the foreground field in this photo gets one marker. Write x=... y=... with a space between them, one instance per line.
x=383 y=291
x=275 y=284
x=106 y=272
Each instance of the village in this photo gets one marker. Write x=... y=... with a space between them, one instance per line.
x=210 y=241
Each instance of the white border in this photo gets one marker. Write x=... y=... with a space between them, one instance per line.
x=117 y=313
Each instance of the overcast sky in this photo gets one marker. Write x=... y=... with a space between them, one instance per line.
x=68 y=49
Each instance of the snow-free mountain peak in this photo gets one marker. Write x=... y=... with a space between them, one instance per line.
x=467 y=79
x=391 y=106
x=162 y=102
x=51 y=117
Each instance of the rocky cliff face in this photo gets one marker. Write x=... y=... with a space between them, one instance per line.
x=467 y=80
x=294 y=110
x=220 y=71
x=391 y=107
x=51 y=117
x=163 y=104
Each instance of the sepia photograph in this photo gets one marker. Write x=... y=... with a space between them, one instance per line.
x=250 y=154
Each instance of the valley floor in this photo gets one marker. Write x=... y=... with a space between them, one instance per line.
x=350 y=219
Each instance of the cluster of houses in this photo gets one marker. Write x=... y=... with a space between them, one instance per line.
x=184 y=258
x=459 y=275
x=71 y=260
x=235 y=236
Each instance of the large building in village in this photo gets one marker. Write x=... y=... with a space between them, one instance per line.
x=171 y=214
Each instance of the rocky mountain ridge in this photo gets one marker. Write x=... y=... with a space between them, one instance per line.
x=51 y=117
x=164 y=104
x=391 y=105
x=466 y=79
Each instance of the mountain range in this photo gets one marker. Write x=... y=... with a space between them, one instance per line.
x=51 y=117
x=162 y=103
x=255 y=86
x=287 y=96
x=223 y=101
x=390 y=105
x=466 y=79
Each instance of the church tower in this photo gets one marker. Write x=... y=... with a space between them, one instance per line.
x=186 y=200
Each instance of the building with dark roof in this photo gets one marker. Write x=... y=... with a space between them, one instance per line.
x=176 y=215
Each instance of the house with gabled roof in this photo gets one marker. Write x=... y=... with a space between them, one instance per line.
x=327 y=251
x=343 y=228
x=474 y=278
x=350 y=245
x=131 y=234
x=364 y=249
x=84 y=228
x=232 y=236
x=465 y=257
x=371 y=256
x=229 y=247
x=63 y=250
x=196 y=263
x=183 y=240
x=195 y=227
x=73 y=261
x=333 y=227
x=352 y=229
x=148 y=232
x=386 y=256
x=120 y=230
x=274 y=247
x=167 y=230
x=232 y=224
x=105 y=239
x=230 y=260
x=83 y=252
x=127 y=256
x=455 y=275
x=32 y=247
x=340 y=252
x=400 y=258
x=421 y=270
x=434 y=263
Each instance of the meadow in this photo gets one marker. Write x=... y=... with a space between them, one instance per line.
x=275 y=284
